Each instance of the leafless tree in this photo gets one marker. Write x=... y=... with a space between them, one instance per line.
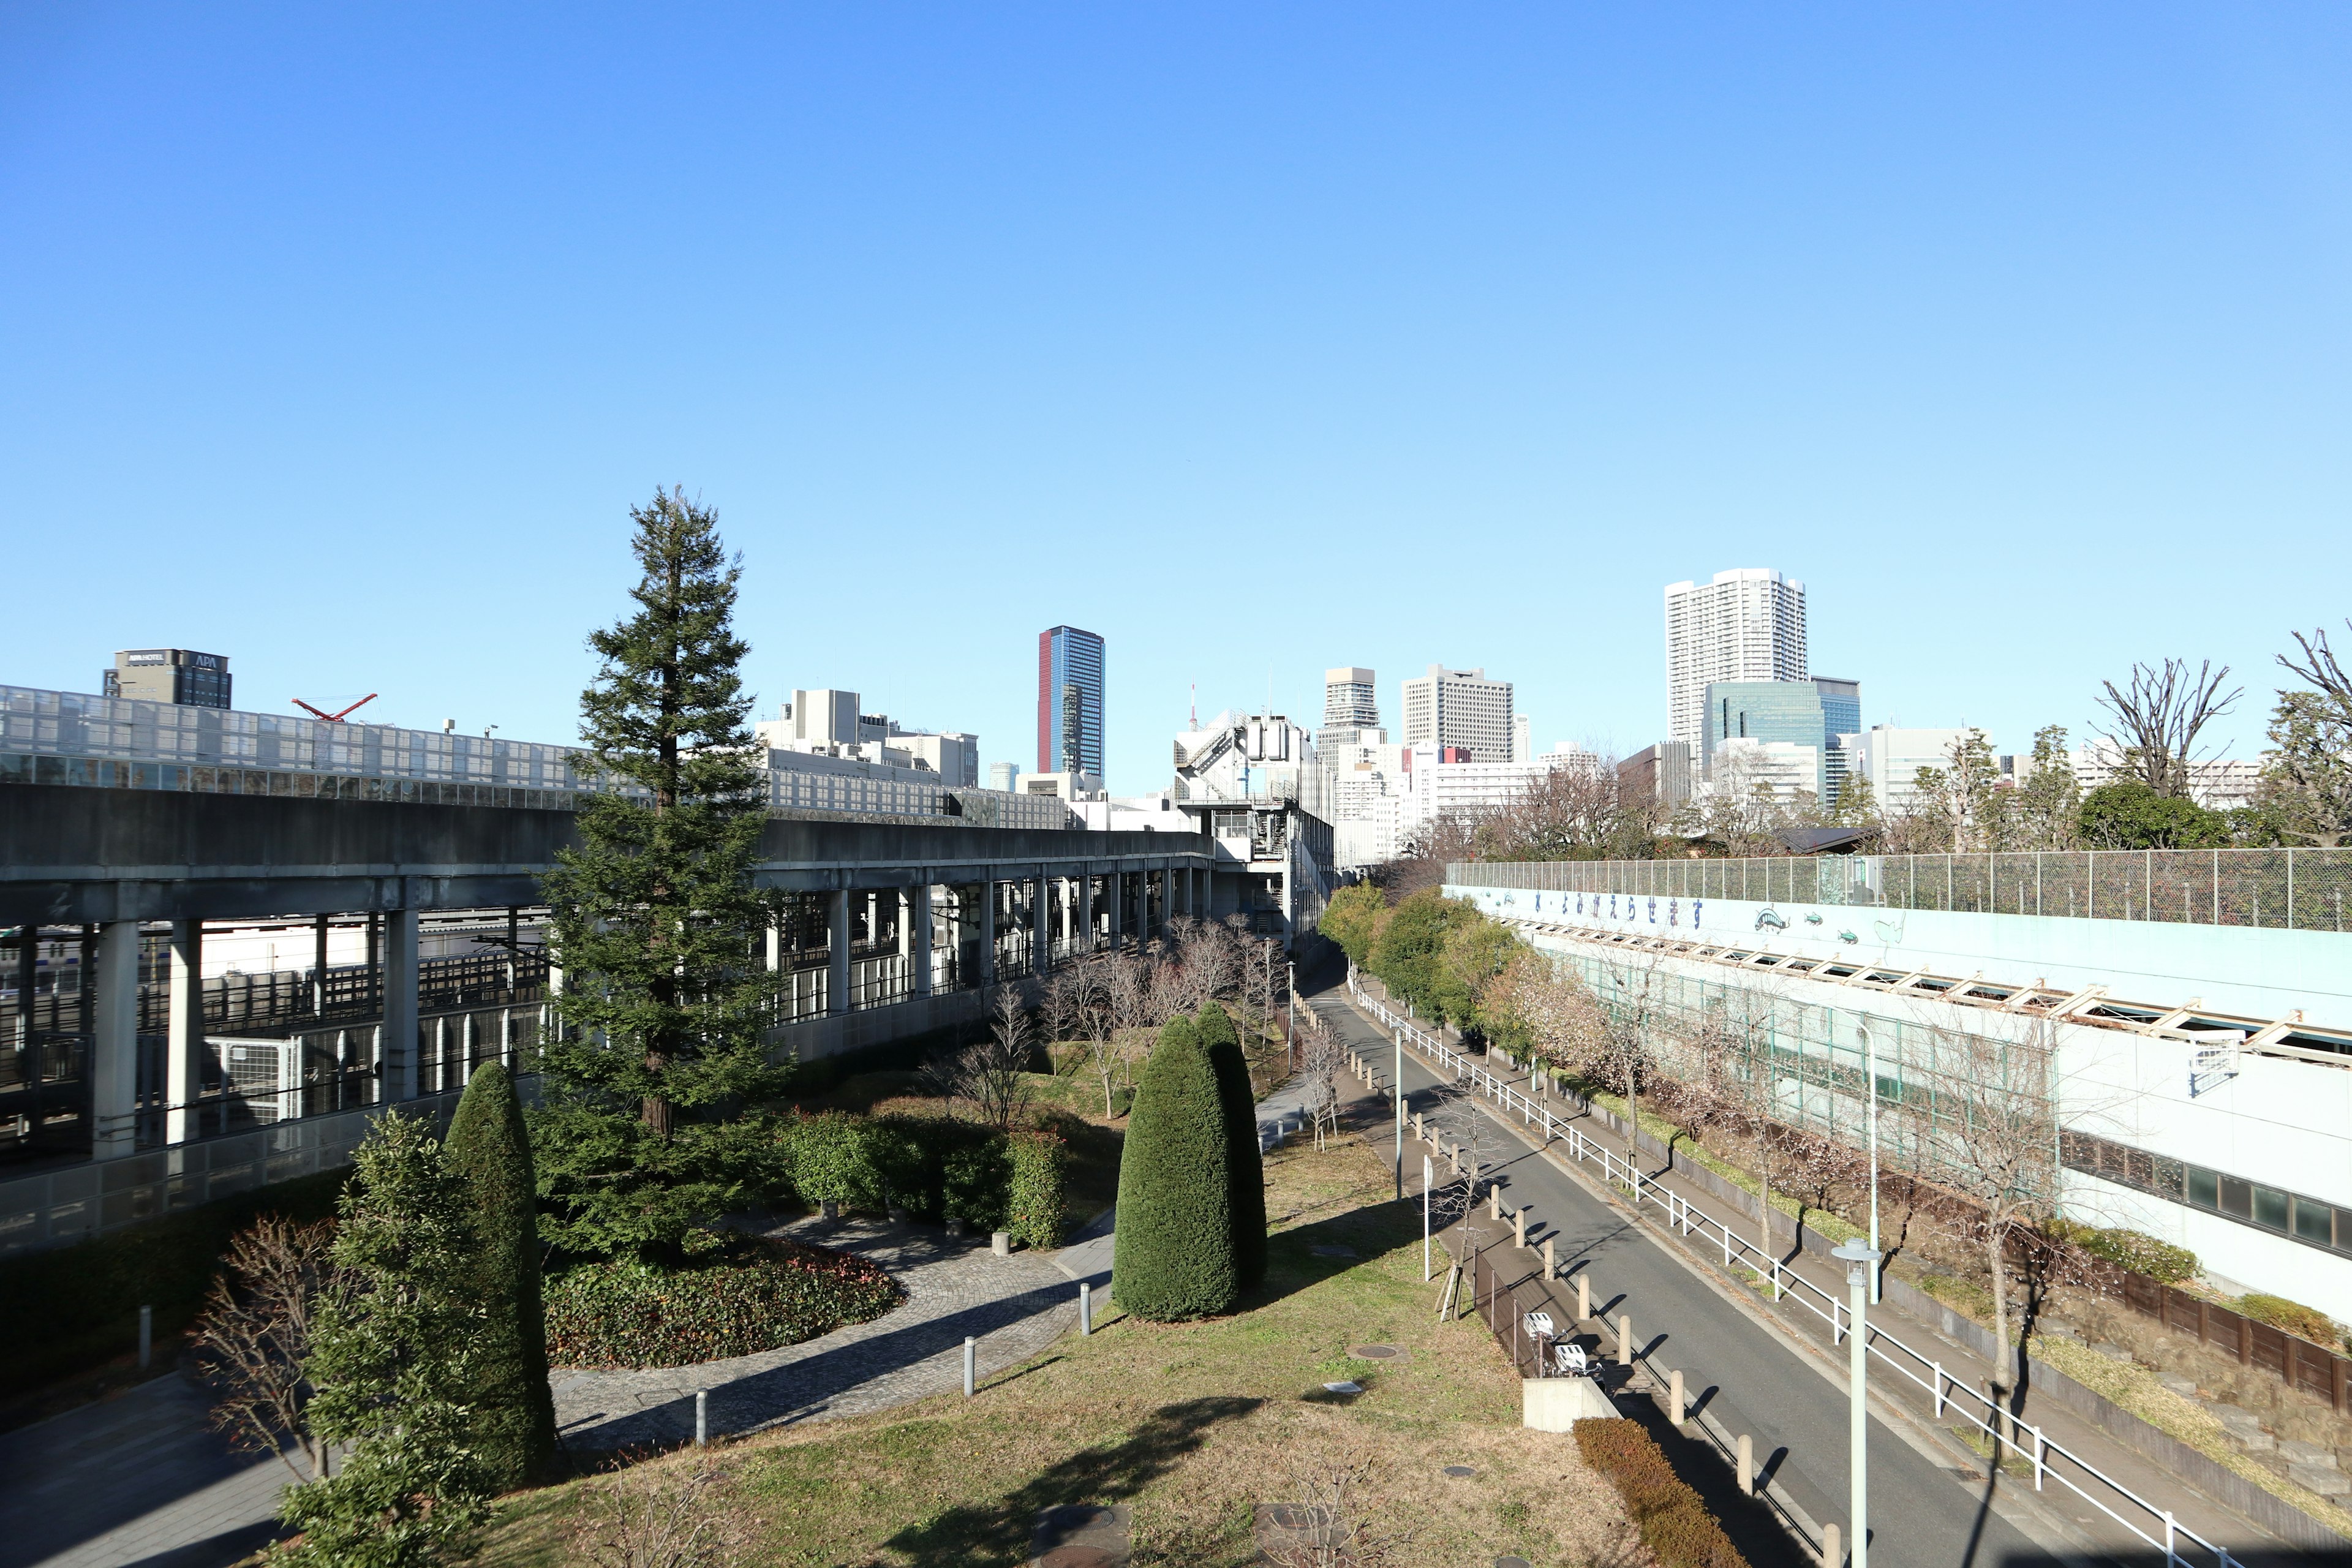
x=2157 y=717
x=663 y=1517
x=990 y=1073
x=255 y=1334
x=1330 y=1528
x=1079 y=1003
x=1324 y=1059
x=1422 y=860
x=2319 y=670
x=1133 y=997
x=1268 y=979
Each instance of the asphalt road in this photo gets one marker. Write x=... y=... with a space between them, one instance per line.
x=1752 y=1379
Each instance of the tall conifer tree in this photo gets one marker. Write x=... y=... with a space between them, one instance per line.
x=1239 y=1101
x=488 y=1152
x=656 y=922
x=1172 y=1255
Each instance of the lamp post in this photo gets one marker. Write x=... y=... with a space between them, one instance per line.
x=1290 y=1028
x=1400 y=1113
x=1870 y=1116
x=1861 y=1263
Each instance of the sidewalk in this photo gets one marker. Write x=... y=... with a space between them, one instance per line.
x=2015 y=1484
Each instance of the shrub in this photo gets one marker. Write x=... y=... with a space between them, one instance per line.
x=1037 y=1195
x=513 y=1413
x=765 y=1293
x=2159 y=1260
x=2306 y=1322
x=1239 y=1106
x=975 y=1179
x=1173 y=1255
x=1673 y=1522
x=829 y=1160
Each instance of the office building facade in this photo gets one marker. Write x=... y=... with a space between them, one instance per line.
x=1746 y=624
x=1459 y=708
x=1349 y=703
x=169 y=675
x=1811 y=713
x=1069 y=701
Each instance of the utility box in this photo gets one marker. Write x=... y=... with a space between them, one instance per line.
x=1556 y=1403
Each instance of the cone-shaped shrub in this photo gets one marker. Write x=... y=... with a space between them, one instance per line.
x=513 y=1413
x=1174 y=1253
x=1239 y=1105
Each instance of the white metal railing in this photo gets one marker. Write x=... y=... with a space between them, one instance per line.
x=2159 y=1528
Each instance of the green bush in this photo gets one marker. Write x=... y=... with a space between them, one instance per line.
x=513 y=1414
x=1173 y=1255
x=70 y=1309
x=764 y=1294
x=829 y=1160
x=1239 y=1105
x=2306 y=1322
x=1037 y=1196
x=1675 y=1524
x=2159 y=1260
x=976 y=1183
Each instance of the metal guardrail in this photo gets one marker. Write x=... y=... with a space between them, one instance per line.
x=2159 y=1529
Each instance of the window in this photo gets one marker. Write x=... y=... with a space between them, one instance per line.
x=2312 y=1222
x=2270 y=1208
x=2237 y=1198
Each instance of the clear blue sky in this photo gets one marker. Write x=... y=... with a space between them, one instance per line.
x=339 y=339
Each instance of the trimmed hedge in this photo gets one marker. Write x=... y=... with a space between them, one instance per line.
x=768 y=1293
x=1673 y=1522
x=514 y=1415
x=2308 y=1322
x=70 y=1309
x=1173 y=1255
x=2159 y=1260
x=933 y=1167
x=1239 y=1104
x=1037 y=1196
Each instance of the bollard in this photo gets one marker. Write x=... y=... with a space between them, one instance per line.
x=1675 y=1395
x=1418 y=1135
x=1520 y=1229
x=1453 y=1154
x=1583 y=1296
x=1552 y=1270
x=146 y=1336
x=1494 y=1203
x=1085 y=1308
x=701 y=1417
x=970 y=1364
x=1830 y=1556
x=1747 y=1463
x=1625 y=1338
x=1000 y=1243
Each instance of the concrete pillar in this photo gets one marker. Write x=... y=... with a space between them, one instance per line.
x=1087 y=912
x=918 y=918
x=184 y=1058
x=1142 y=917
x=115 y=1045
x=319 y=932
x=1114 y=906
x=988 y=933
x=1041 y=927
x=398 y=1064
x=775 y=944
x=837 y=954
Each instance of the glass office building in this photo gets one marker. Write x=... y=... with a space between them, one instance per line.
x=1069 y=701
x=1802 y=712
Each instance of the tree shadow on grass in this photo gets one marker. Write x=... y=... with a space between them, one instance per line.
x=1293 y=1262
x=1108 y=1473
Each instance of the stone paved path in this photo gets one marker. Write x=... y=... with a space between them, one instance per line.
x=1014 y=1306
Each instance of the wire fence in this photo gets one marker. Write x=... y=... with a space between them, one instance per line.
x=2051 y=1463
x=2294 y=889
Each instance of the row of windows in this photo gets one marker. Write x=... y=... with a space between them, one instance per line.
x=2307 y=1220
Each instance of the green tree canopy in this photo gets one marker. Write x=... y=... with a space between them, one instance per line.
x=2130 y=815
x=1406 y=955
x=1173 y=1253
x=657 y=924
x=1223 y=1044
x=489 y=1152
x=1352 y=919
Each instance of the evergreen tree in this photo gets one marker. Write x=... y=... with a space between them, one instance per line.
x=656 y=922
x=1173 y=1253
x=394 y=1360
x=1239 y=1102
x=514 y=1414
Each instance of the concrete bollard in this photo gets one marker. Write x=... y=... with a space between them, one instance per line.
x=1747 y=1463
x=1418 y=1135
x=1675 y=1395
x=1830 y=1556
x=1584 y=1298
x=1625 y=1338
x=146 y=1336
x=1552 y=1270
x=1000 y=1243
x=970 y=1364
x=1453 y=1154
x=701 y=1417
x=1520 y=1229
x=1494 y=1203
x=1085 y=1308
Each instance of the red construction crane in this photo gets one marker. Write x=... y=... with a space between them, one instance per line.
x=334 y=717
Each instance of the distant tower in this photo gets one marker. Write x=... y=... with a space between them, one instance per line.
x=1347 y=700
x=1746 y=625
x=1069 y=665
x=1462 y=709
x=169 y=675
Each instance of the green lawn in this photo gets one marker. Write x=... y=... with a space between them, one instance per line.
x=1191 y=1424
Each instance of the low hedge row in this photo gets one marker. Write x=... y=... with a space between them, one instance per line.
x=70 y=1309
x=770 y=1293
x=1673 y=1522
x=934 y=1168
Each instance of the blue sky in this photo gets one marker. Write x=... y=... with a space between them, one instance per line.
x=340 y=340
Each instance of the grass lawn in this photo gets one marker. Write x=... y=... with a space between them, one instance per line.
x=1191 y=1425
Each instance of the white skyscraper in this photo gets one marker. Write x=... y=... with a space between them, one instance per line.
x=1461 y=708
x=1746 y=625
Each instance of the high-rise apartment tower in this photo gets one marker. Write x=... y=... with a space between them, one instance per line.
x=1347 y=700
x=1746 y=625
x=1459 y=708
x=1069 y=701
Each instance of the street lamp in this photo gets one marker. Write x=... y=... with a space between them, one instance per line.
x=1400 y=1113
x=1870 y=1071
x=1860 y=1265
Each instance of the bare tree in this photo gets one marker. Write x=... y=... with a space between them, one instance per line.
x=1324 y=1059
x=1078 y=1000
x=1330 y=1528
x=2320 y=670
x=662 y=1517
x=2158 y=717
x=255 y=1334
x=2307 y=782
x=991 y=1073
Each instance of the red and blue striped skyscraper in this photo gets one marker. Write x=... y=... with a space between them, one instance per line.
x=1069 y=701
